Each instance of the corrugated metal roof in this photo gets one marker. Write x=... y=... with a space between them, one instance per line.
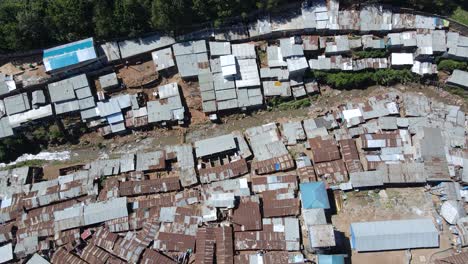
x=104 y=211
x=395 y=234
x=163 y=59
x=459 y=77
x=133 y=47
x=17 y=104
x=220 y=48
x=108 y=81
x=314 y=195
x=69 y=54
x=215 y=145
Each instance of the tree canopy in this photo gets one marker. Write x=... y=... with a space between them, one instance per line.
x=31 y=24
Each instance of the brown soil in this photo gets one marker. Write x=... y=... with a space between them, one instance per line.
x=135 y=76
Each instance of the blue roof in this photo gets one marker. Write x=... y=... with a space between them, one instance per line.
x=69 y=54
x=314 y=195
x=330 y=259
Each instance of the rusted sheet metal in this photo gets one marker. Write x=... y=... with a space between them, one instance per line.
x=281 y=202
x=168 y=184
x=350 y=155
x=334 y=170
x=214 y=243
x=247 y=216
x=95 y=255
x=307 y=174
x=62 y=256
x=281 y=163
x=273 y=182
x=118 y=225
x=324 y=149
x=153 y=257
x=104 y=239
x=223 y=172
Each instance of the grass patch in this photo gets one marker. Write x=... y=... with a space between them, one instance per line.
x=362 y=54
x=450 y=65
x=460 y=15
x=26 y=163
x=458 y=91
x=285 y=104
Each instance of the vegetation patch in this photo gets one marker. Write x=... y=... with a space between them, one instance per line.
x=460 y=15
x=286 y=104
x=458 y=91
x=451 y=65
x=363 y=54
x=352 y=80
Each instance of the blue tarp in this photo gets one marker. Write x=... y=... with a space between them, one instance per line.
x=69 y=54
x=330 y=259
x=314 y=195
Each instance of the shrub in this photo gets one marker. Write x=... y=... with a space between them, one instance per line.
x=450 y=65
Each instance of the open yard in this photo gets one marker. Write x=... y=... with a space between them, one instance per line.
x=390 y=204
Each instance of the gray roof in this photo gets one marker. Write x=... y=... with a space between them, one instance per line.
x=6 y=253
x=226 y=94
x=248 y=73
x=244 y=51
x=37 y=259
x=366 y=179
x=396 y=234
x=108 y=81
x=261 y=26
x=191 y=65
x=214 y=145
x=163 y=59
x=5 y=128
x=66 y=107
x=276 y=88
x=38 y=97
x=108 y=108
x=289 y=48
x=89 y=113
x=86 y=103
x=129 y=48
x=228 y=104
x=275 y=58
x=293 y=132
x=67 y=90
x=297 y=65
x=104 y=211
x=220 y=48
x=147 y=159
x=459 y=77
x=17 y=104
x=111 y=50
x=189 y=47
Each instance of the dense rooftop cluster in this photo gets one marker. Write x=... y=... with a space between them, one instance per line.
x=245 y=196
x=232 y=71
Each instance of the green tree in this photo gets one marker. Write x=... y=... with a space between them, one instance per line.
x=132 y=17
x=69 y=20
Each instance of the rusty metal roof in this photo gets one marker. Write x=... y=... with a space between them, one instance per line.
x=104 y=239
x=324 y=149
x=273 y=182
x=222 y=172
x=281 y=202
x=95 y=255
x=461 y=258
x=277 y=234
x=248 y=206
x=153 y=257
x=62 y=256
x=167 y=184
x=281 y=163
x=206 y=246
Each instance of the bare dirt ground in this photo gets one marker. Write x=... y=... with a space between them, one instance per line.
x=390 y=204
x=93 y=146
x=135 y=76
